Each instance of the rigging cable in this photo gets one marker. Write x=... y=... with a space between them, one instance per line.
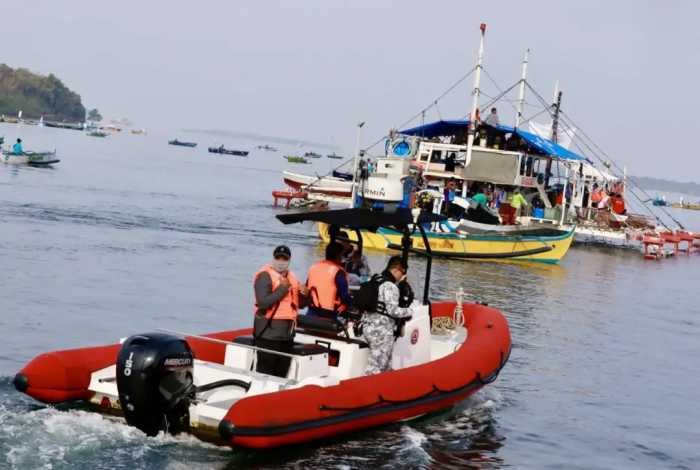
x=570 y=123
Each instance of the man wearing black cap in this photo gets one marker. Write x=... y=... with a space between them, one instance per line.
x=278 y=297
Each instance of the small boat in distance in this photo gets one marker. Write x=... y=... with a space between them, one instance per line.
x=181 y=143
x=224 y=151
x=97 y=134
x=30 y=158
x=296 y=159
x=313 y=155
x=335 y=156
x=269 y=148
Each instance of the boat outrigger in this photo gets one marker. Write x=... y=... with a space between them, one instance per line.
x=208 y=385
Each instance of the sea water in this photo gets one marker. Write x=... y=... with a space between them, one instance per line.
x=128 y=234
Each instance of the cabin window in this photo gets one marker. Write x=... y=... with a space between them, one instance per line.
x=436 y=156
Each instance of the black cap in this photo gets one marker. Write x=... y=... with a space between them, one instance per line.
x=282 y=250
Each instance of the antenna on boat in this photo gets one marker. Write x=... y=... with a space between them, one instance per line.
x=353 y=194
x=475 y=102
x=521 y=91
x=556 y=106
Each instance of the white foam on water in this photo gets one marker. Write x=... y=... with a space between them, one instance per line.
x=49 y=438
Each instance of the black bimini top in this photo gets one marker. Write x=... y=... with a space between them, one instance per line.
x=360 y=218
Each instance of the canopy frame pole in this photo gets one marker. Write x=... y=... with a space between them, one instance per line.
x=475 y=102
x=521 y=91
x=428 y=265
x=353 y=194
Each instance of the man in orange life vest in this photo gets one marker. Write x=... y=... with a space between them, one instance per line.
x=328 y=285
x=278 y=297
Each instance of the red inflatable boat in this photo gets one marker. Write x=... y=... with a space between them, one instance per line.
x=209 y=385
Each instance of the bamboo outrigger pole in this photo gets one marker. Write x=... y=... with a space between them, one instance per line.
x=475 y=102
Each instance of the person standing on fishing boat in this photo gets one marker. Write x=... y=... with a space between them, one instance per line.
x=278 y=297
x=517 y=201
x=491 y=123
x=17 y=147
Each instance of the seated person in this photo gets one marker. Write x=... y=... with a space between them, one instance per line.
x=357 y=268
x=480 y=197
x=328 y=285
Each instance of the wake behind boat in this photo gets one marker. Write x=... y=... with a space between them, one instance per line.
x=210 y=385
x=224 y=151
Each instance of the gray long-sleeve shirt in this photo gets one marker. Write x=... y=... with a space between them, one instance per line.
x=265 y=297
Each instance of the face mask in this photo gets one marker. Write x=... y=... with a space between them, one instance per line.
x=280 y=265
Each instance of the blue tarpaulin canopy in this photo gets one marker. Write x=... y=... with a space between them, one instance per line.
x=545 y=146
x=438 y=128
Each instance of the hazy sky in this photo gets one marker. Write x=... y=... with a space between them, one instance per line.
x=312 y=69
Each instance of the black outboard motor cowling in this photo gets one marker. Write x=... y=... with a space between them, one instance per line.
x=155 y=384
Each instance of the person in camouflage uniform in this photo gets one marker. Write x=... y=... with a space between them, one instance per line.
x=378 y=327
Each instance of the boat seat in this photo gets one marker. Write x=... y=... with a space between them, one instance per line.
x=298 y=349
x=326 y=328
x=327 y=325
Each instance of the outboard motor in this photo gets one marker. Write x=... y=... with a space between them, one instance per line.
x=155 y=382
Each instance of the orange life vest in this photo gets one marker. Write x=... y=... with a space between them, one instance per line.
x=597 y=196
x=617 y=204
x=322 y=289
x=288 y=307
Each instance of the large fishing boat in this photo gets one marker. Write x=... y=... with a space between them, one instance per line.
x=209 y=385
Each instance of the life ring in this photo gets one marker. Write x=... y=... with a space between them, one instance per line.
x=400 y=147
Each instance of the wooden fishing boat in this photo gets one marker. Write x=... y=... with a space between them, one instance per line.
x=181 y=143
x=97 y=134
x=224 y=151
x=489 y=247
x=30 y=158
x=296 y=159
x=329 y=185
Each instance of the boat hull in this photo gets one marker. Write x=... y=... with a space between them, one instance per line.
x=309 y=412
x=490 y=247
x=325 y=185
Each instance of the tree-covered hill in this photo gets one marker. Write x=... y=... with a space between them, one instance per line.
x=38 y=95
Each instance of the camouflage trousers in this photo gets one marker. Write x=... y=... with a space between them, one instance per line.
x=378 y=332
